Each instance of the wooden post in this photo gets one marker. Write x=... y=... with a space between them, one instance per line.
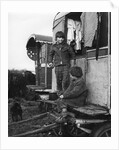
x=38 y=65
x=98 y=35
x=46 y=47
x=109 y=61
x=109 y=33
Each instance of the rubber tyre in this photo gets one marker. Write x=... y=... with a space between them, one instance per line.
x=102 y=131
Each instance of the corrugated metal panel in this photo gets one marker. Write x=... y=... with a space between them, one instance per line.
x=58 y=18
x=37 y=38
x=60 y=15
x=98 y=82
x=41 y=38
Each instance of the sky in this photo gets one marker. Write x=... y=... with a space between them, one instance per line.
x=26 y=18
x=20 y=27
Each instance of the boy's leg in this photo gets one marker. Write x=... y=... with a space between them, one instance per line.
x=59 y=78
x=60 y=104
x=66 y=78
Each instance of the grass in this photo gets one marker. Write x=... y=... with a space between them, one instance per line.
x=30 y=109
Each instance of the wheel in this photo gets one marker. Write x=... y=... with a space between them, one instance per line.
x=56 y=132
x=103 y=131
x=71 y=130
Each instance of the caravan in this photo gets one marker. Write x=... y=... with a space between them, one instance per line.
x=89 y=34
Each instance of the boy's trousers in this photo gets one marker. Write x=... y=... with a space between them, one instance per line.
x=62 y=77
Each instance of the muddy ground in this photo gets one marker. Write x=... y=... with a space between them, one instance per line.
x=30 y=110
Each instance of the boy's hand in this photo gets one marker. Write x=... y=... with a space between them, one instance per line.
x=50 y=64
x=74 y=62
x=61 y=96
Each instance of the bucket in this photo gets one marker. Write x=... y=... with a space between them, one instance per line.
x=53 y=96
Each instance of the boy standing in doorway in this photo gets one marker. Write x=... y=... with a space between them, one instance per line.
x=59 y=57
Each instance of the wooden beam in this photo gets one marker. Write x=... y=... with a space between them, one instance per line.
x=42 y=129
x=30 y=119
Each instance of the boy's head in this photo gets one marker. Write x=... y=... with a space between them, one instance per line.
x=76 y=72
x=60 y=37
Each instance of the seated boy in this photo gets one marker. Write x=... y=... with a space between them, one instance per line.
x=75 y=95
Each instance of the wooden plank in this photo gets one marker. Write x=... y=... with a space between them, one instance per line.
x=42 y=129
x=92 y=110
x=23 y=121
x=48 y=101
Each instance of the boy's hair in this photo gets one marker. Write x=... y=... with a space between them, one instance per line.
x=76 y=71
x=60 y=34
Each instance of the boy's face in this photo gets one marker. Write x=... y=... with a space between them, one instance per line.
x=73 y=77
x=60 y=40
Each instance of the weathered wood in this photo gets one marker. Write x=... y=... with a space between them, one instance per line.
x=42 y=129
x=23 y=121
x=31 y=103
x=92 y=110
x=36 y=126
x=48 y=102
